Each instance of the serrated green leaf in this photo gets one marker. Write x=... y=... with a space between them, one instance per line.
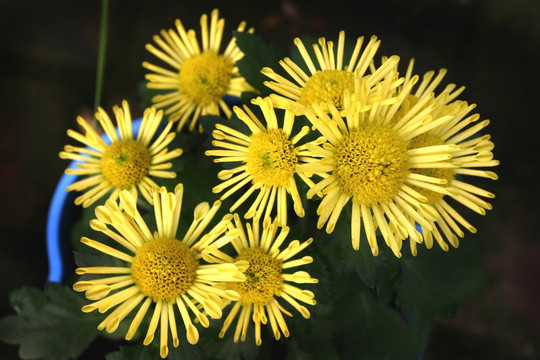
x=438 y=282
x=48 y=325
x=258 y=54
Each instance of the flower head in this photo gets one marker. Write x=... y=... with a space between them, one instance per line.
x=266 y=279
x=268 y=157
x=201 y=75
x=127 y=163
x=159 y=269
x=475 y=153
x=368 y=158
x=326 y=82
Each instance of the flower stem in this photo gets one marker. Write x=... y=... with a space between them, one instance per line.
x=101 y=53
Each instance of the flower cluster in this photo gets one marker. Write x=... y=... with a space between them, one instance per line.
x=188 y=273
x=384 y=152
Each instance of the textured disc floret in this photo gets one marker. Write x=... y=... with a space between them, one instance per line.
x=205 y=78
x=327 y=86
x=125 y=163
x=164 y=268
x=371 y=164
x=263 y=277
x=271 y=158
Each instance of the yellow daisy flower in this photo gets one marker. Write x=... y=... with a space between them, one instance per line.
x=200 y=76
x=367 y=160
x=127 y=163
x=160 y=269
x=268 y=158
x=475 y=153
x=266 y=280
x=327 y=81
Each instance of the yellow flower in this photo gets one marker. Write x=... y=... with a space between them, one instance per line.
x=127 y=163
x=268 y=158
x=368 y=160
x=159 y=268
x=266 y=280
x=327 y=81
x=475 y=153
x=200 y=76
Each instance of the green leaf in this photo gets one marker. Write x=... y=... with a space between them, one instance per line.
x=48 y=325
x=226 y=349
x=438 y=282
x=185 y=351
x=258 y=54
x=379 y=332
x=377 y=272
x=351 y=323
x=209 y=122
x=137 y=352
x=81 y=227
x=216 y=348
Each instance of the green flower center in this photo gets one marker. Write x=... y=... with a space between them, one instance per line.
x=205 y=78
x=164 y=269
x=263 y=277
x=125 y=163
x=327 y=86
x=271 y=158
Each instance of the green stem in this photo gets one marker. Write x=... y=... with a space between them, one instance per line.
x=101 y=52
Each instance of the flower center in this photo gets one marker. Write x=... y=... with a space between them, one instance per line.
x=441 y=173
x=263 y=277
x=205 y=77
x=371 y=164
x=125 y=163
x=164 y=268
x=327 y=86
x=271 y=158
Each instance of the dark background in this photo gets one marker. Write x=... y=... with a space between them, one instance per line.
x=49 y=50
